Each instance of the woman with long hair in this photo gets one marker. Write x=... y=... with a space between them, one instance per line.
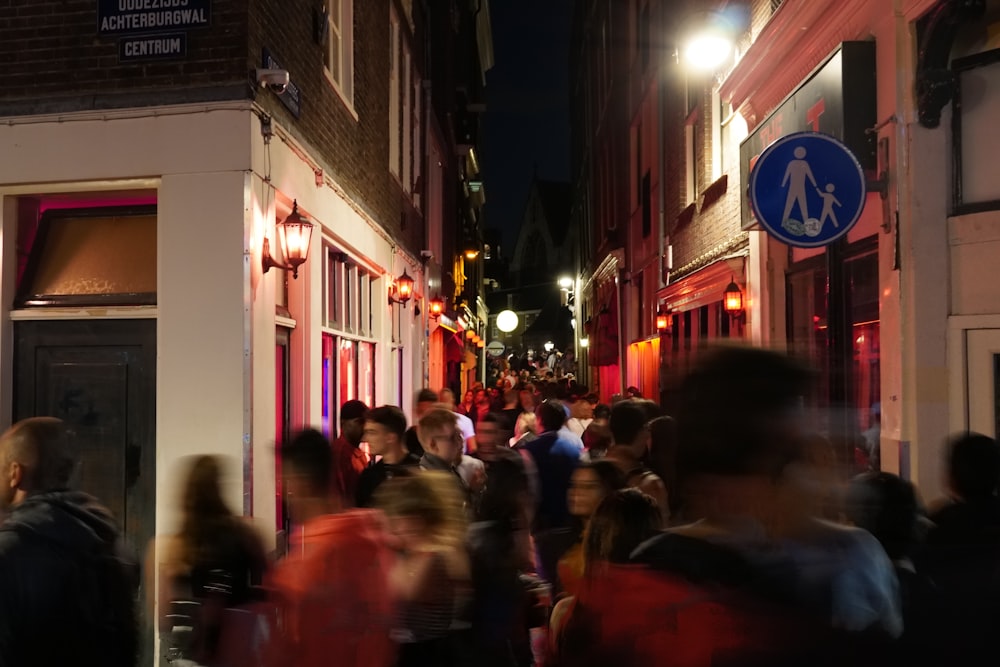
x=431 y=577
x=591 y=483
x=215 y=562
x=623 y=520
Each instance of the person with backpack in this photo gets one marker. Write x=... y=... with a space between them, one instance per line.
x=630 y=432
x=67 y=587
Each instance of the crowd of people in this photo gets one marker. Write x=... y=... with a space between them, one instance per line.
x=526 y=525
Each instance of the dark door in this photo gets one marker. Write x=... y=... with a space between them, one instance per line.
x=100 y=377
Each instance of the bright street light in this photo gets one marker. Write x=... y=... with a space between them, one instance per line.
x=565 y=282
x=707 y=51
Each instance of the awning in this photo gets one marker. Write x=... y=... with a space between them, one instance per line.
x=706 y=285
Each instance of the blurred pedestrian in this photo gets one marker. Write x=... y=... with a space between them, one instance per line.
x=214 y=563
x=332 y=592
x=555 y=458
x=425 y=400
x=962 y=555
x=431 y=576
x=621 y=521
x=67 y=587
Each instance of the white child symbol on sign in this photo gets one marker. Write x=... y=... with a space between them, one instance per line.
x=829 y=200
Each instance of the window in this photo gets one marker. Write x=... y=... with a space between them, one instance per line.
x=690 y=158
x=975 y=143
x=647 y=206
x=350 y=297
x=417 y=136
x=394 y=129
x=339 y=57
x=638 y=163
x=334 y=284
x=775 y=4
x=642 y=36
x=407 y=123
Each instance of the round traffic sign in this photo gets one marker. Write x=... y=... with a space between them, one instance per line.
x=495 y=348
x=807 y=189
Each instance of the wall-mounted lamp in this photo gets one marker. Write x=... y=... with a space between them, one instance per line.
x=436 y=307
x=470 y=249
x=480 y=343
x=549 y=346
x=732 y=300
x=294 y=235
x=565 y=282
x=470 y=334
x=585 y=342
x=662 y=320
x=403 y=290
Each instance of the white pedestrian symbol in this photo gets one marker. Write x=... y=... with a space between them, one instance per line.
x=796 y=173
x=829 y=201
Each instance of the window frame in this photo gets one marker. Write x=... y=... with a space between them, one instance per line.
x=340 y=26
x=959 y=66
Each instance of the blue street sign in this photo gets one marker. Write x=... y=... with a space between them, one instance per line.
x=807 y=189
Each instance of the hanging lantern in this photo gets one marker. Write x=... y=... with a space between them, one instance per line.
x=662 y=320
x=733 y=299
x=436 y=306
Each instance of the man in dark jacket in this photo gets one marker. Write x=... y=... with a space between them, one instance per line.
x=66 y=589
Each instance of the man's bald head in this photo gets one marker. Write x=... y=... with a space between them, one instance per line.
x=35 y=456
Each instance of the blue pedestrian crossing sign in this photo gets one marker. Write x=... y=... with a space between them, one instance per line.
x=807 y=189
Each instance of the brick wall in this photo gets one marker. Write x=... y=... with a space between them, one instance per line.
x=57 y=62
x=355 y=151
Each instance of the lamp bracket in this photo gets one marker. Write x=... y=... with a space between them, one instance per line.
x=267 y=261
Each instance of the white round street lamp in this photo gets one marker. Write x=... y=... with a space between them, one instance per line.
x=507 y=321
x=565 y=282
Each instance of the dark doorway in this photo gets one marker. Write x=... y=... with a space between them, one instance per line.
x=100 y=377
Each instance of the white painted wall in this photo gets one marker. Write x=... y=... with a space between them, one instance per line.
x=202 y=220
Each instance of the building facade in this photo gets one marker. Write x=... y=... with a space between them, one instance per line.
x=152 y=155
x=897 y=316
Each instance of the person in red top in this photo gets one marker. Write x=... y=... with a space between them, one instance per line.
x=349 y=460
x=331 y=593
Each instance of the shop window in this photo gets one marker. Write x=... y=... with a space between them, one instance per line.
x=808 y=299
x=975 y=142
x=68 y=262
x=338 y=61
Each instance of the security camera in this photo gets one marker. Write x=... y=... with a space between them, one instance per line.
x=276 y=80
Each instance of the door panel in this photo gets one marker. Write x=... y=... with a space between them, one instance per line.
x=98 y=376
x=984 y=381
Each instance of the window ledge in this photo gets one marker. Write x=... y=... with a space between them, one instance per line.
x=348 y=104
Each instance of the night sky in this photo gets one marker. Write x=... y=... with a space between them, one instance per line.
x=527 y=117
